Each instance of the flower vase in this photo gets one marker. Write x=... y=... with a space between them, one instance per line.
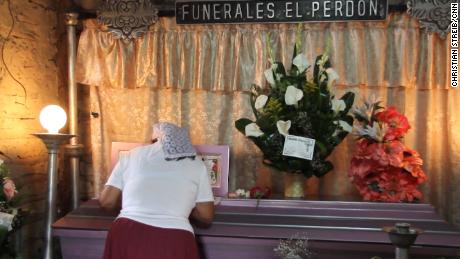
x=294 y=185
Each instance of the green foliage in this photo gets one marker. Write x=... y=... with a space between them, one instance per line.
x=4 y=172
x=312 y=116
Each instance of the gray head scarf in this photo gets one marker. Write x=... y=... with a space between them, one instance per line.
x=174 y=140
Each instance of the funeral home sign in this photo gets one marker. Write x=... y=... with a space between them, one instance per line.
x=260 y=11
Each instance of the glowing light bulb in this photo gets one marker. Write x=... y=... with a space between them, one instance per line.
x=53 y=118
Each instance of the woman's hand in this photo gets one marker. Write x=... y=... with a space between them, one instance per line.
x=110 y=199
x=203 y=214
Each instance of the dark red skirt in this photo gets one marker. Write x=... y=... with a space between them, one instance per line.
x=129 y=239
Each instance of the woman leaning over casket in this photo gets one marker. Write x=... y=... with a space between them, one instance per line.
x=158 y=187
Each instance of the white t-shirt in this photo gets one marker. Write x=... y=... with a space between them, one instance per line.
x=157 y=192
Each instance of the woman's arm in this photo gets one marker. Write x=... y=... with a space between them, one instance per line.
x=110 y=199
x=203 y=214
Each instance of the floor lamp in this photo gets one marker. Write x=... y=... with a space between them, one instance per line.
x=402 y=236
x=52 y=118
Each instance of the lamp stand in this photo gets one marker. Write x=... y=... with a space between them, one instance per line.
x=402 y=235
x=52 y=142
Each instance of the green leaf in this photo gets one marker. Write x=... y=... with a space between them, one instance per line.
x=242 y=123
x=349 y=99
x=279 y=69
x=322 y=148
x=298 y=40
x=294 y=55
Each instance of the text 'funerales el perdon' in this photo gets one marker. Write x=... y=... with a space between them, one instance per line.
x=279 y=11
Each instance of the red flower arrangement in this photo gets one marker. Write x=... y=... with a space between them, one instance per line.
x=382 y=167
x=257 y=192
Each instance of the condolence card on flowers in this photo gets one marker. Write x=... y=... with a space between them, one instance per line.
x=300 y=147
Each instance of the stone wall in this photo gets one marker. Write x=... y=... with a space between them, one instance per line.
x=29 y=80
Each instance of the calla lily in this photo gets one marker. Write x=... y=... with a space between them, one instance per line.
x=283 y=127
x=345 y=126
x=252 y=130
x=293 y=95
x=261 y=100
x=269 y=74
x=338 y=105
x=332 y=76
x=301 y=62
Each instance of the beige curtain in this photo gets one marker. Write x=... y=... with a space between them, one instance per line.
x=199 y=76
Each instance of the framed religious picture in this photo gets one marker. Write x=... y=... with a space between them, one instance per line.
x=215 y=157
x=119 y=149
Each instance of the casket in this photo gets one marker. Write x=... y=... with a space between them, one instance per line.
x=252 y=229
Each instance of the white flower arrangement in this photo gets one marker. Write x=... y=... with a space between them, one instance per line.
x=299 y=105
x=242 y=193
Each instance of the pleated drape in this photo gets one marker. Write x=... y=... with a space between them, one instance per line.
x=199 y=77
x=230 y=58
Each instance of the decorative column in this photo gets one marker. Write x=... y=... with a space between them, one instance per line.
x=52 y=142
x=73 y=149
